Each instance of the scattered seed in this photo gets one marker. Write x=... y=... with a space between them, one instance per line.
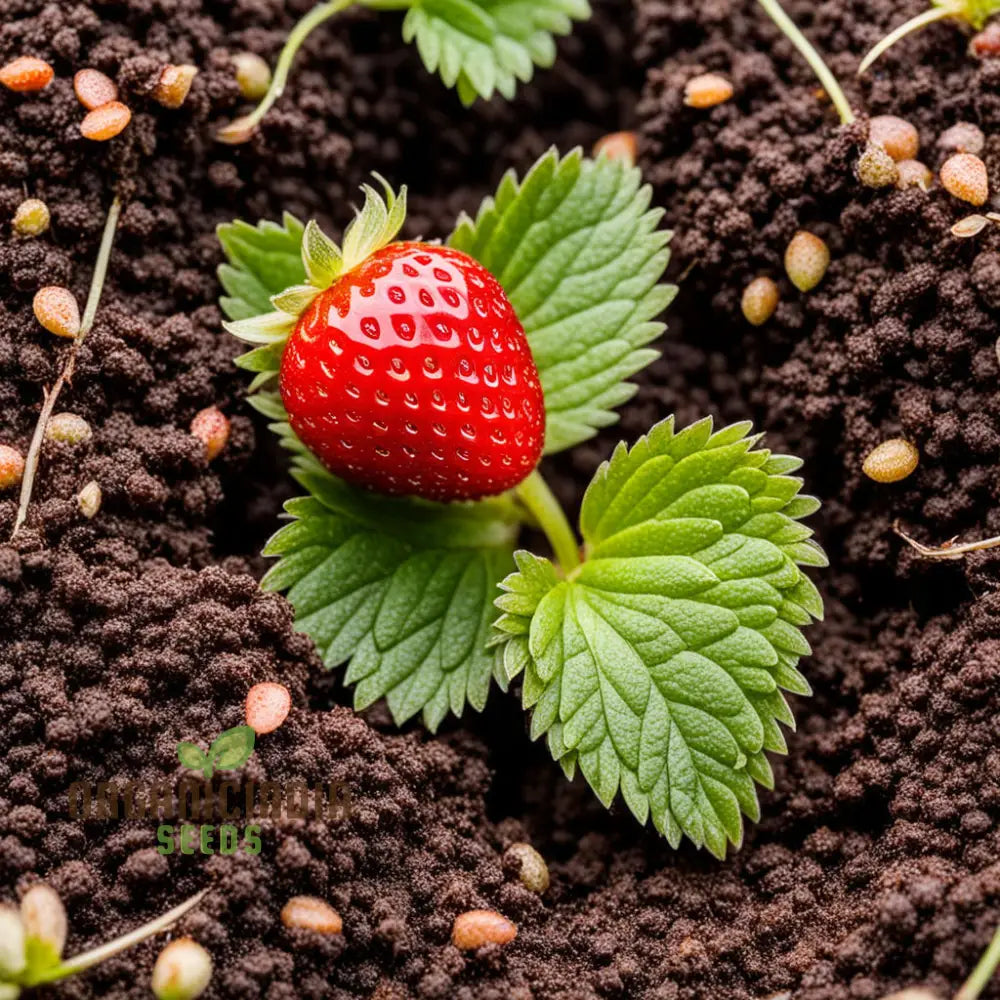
x=93 y=89
x=182 y=971
x=806 y=260
x=307 y=913
x=44 y=918
x=913 y=173
x=31 y=218
x=253 y=75
x=236 y=132
x=707 y=90
x=11 y=467
x=267 y=707
x=618 y=146
x=172 y=88
x=211 y=427
x=476 y=928
x=895 y=135
x=534 y=872
x=105 y=122
x=760 y=299
x=963 y=138
x=971 y=225
x=993 y=216
x=26 y=74
x=12 y=956
x=891 y=461
x=56 y=309
x=89 y=499
x=68 y=428
x=987 y=42
x=876 y=168
x=964 y=176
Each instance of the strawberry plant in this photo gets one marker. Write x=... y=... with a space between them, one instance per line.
x=652 y=657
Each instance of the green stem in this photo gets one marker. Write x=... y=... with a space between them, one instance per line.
x=983 y=971
x=914 y=24
x=535 y=494
x=811 y=56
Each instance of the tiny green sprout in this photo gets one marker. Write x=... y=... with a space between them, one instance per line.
x=973 y=12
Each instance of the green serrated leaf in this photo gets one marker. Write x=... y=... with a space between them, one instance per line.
x=658 y=666
x=580 y=255
x=233 y=748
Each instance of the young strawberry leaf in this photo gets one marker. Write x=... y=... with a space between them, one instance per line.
x=658 y=666
x=580 y=255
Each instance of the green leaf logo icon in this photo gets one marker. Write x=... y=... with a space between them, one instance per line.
x=232 y=749
x=192 y=756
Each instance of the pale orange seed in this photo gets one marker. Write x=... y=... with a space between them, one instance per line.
x=172 y=88
x=211 y=427
x=806 y=260
x=618 y=146
x=760 y=299
x=964 y=176
x=895 y=135
x=105 y=122
x=267 y=707
x=93 y=89
x=56 y=309
x=476 y=928
x=26 y=74
x=11 y=467
x=891 y=461
x=913 y=173
x=707 y=90
x=963 y=137
x=308 y=913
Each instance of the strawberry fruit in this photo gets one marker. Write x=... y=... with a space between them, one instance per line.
x=411 y=374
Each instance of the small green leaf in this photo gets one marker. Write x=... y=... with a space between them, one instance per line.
x=657 y=667
x=232 y=749
x=581 y=256
x=191 y=756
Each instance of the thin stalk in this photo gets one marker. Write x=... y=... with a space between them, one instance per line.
x=535 y=494
x=949 y=550
x=983 y=972
x=811 y=56
x=242 y=128
x=914 y=24
x=89 y=312
x=88 y=959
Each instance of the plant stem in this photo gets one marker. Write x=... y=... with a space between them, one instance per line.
x=815 y=60
x=89 y=312
x=535 y=494
x=914 y=24
x=93 y=957
x=983 y=971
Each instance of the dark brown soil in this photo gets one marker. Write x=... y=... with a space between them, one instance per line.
x=875 y=863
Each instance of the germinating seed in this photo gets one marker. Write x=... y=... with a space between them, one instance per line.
x=211 y=427
x=26 y=74
x=93 y=89
x=307 y=913
x=707 y=90
x=253 y=75
x=11 y=467
x=12 y=957
x=876 y=168
x=806 y=260
x=913 y=173
x=964 y=176
x=89 y=499
x=534 y=872
x=172 y=88
x=267 y=707
x=182 y=971
x=105 y=122
x=44 y=918
x=891 y=461
x=68 y=428
x=476 y=928
x=760 y=299
x=965 y=137
x=896 y=136
x=618 y=146
x=971 y=225
x=56 y=309
x=235 y=132
x=31 y=218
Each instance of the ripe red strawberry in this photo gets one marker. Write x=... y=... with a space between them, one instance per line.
x=412 y=374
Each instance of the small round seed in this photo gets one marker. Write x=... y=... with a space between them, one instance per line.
x=26 y=74
x=182 y=971
x=93 y=89
x=760 y=299
x=806 y=260
x=891 y=461
x=105 y=122
x=44 y=917
x=12 y=956
x=253 y=75
x=211 y=427
x=68 y=428
x=31 y=218
x=56 y=309
x=896 y=136
x=172 y=88
x=964 y=176
x=11 y=467
x=476 y=928
x=267 y=707
x=913 y=173
x=876 y=168
x=307 y=913
x=618 y=146
x=963 y=138
x=707 y=90
x=89 y=499
x=971 y=225
x=533 y=871
x=236 y=132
